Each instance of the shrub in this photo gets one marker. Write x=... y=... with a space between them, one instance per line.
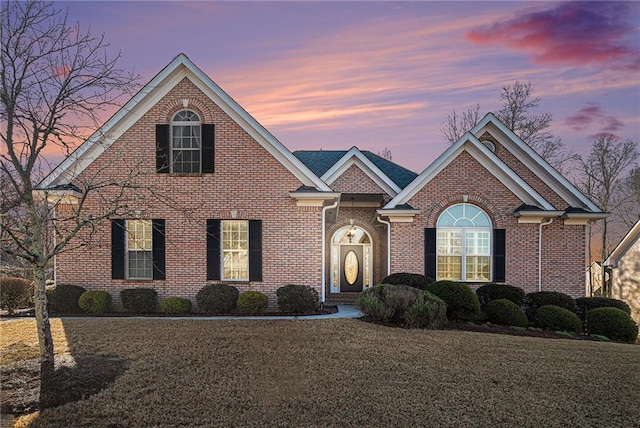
x=64 y=299
x=15 y=293
x=613 y=323
x=506 y=312
x=402 y=305
x=533 y=301
x=411 y=279
x=175 y=305
x=95 y=302
x=139 y=300
x=490 y=292
x=555 y=318
x=253 y=302
x=297 y=299
x=217 y=298
x=585 y=304
x=462 y=302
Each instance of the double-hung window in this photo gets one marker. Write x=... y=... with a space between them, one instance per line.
x=235 y=250
x=463 y=244
x=139 y=249
x=186 y=142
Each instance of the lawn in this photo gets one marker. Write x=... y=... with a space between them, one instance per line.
x=336 y=373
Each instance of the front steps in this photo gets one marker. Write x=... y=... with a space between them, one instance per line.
x=341 y=298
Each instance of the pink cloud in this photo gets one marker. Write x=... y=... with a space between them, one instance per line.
x=592 y=116
x=575 y=33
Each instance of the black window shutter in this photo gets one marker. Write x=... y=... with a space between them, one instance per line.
x=157 y=246
x=162 y=148
x=213 y=249
x=430 y=252
x=255 y=250
x=117 y=248
x=208 y=154
x=499 y=255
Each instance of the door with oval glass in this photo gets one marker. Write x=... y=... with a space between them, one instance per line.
x=351 y=277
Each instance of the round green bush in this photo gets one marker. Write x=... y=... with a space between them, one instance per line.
x=555 y=318
x=505 y=312
x=64 y=299
x=489 y=292
x=15 y=293
x=411 y=279
x=95 y=302
x=613 y=323
x=297 y=299
x=585 y=304
x=462 y=302
x=139 y=300
x=535 y=300
x=253 y=302
x=217 y=298
x=402 y=305
x=175 y=305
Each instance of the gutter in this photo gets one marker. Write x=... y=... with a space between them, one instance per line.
x=324 y=248
x=379 y=219
x=546 y=223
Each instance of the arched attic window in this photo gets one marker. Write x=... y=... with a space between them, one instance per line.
x=186 y=142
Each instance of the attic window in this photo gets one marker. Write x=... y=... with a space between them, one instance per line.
x=186 y=142
x=489 y=144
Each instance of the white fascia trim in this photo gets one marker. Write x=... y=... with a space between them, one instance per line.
x=469 y=143
x=314 y=199
x=148 y=96
x=399 y=215
x=532 y=160
x=629 y=239
x=356 y=157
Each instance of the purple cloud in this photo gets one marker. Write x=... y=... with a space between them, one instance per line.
x=575 y=33
x=592 y=116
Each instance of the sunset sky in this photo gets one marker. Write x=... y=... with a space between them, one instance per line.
x=331 y=75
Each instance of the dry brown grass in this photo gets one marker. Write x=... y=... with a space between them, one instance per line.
x=344 y=373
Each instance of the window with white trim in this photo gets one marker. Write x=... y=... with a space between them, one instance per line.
x=463 y=244
x=139 y=249
x=186 y=142
x=235 y=250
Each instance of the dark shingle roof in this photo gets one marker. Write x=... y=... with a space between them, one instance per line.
x=320 y=161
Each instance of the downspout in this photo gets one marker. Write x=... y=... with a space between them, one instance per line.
x=324 y=246
x=545 y=223
x=379 y=219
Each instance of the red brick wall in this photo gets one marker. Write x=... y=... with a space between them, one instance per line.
x=246 y=179
x=563 y=248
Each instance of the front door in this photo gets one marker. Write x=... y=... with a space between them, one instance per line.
x=351 y=268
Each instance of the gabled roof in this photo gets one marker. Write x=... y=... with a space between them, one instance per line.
x=471 y=144
x=329 y=164
x=625 y=244
x=179 y=68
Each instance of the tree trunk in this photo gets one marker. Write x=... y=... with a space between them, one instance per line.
x=45 y=340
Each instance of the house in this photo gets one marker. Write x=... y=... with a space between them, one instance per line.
x=212 y=196
x=593 y=280
x=624 y=262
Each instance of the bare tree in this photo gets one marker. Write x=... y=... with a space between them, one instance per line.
x=385 y=154
x=600 y=174
x=517 y=113
x=628 y=195
x=56 y=80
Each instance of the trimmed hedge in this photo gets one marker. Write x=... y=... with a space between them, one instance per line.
x=175 y=305
x=505 y=312
x=253 y=302
x=537 y=299
x=490 y=292
x=613 y=323
x=555 y=318
x=297 y=299
x=585 y=304
x=402 y=305
x=415 y=280
x=462 y=302
x=64 y=299
x=95 y=302
x=217 y=298
x=15 y=293
x=139 y=300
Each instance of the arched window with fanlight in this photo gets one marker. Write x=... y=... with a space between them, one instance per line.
x=463 y=244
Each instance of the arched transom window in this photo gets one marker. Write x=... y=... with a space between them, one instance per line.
x=464 y=244
x=186 y=142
